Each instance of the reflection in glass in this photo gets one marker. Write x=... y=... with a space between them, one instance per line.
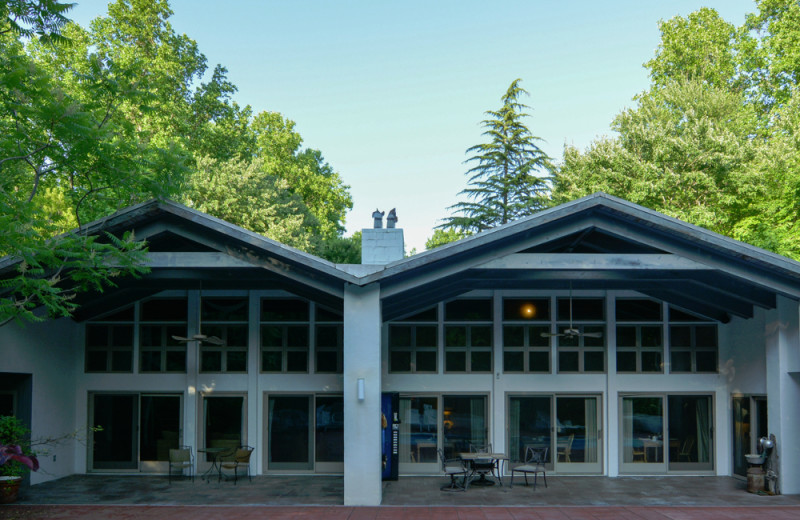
x=418 y=429
x=642 y=429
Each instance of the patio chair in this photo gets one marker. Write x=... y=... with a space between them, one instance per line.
x=534 y=463
x=181 y=458
x=238 y=461
x=483 y=466
x=564 y=448
x=685 y=452
x=454 y=468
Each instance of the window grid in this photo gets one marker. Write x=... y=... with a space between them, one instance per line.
x=226 y=319
x=640 y=348
x=158 y=350
x=525 y=350
x=578 y=354
x=413 y=347
x=109 y=347
x=693 y=348
x=468 y=347
x=285 y=335
x=328 y=342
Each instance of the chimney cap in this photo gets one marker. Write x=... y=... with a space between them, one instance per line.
x=391 y=220
x=377 y=215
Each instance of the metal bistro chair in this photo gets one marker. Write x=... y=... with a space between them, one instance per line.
x=484 y=466
x=181 y=458
x=454 y=468
x=534 y=463
x=239 y=460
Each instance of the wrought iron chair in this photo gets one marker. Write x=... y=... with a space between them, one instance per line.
x=239 y=460
x=454 y=468
x=534 y=463
x=181 y=458
x=482 y=466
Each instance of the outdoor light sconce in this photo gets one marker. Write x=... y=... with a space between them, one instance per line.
x=360 y=389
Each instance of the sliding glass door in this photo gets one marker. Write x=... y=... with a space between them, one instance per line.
x=449 y=422
x=577 y=435
x=305 y=432
x=643 y=434
x=661 y=433
x=568 y=426
x=136 y=431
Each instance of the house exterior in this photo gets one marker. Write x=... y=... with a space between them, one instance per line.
x=624 y=341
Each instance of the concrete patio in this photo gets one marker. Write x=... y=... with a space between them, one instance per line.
x=408 y=491
x=96 y=497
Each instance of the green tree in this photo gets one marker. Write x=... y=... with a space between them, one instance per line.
x=342 y=250
x=505 y=181
x=441 y=237
x=278 y=145
x=54 y=152
x=685 y=151
x=714 y=141
x=241 y=193
x=699 y=47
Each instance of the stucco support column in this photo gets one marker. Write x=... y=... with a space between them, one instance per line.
x=362 y=418
x=783 y=389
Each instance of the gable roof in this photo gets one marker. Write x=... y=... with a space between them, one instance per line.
x=597 y=242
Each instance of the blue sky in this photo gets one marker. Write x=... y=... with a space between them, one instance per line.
x=393 y=93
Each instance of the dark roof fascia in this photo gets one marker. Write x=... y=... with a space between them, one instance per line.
x=127 y=218
x=668 y=227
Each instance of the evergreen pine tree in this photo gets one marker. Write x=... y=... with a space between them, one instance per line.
x=503 y=183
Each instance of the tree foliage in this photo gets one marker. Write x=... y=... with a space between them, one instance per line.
x=441 y=237
x=505 y=181
x=96 y=119
x=714 y=140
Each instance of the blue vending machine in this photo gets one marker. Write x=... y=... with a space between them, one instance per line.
x=390 y=433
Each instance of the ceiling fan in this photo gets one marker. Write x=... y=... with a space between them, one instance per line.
x=571 y=332
x=202 y=338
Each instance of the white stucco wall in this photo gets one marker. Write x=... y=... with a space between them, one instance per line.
x=46 y=350
x=783 y=389
x=362 y=427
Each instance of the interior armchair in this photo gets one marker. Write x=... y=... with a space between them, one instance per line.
x=233 y=464
x=181 y=459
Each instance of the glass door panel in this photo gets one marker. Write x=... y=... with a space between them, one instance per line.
x=224 y=422
x=329 y=434
x=643 y=434
x=289 y=433
x=419 y=431
x=464 y=421
x=160 y=428
x=115 y=445
x=690 y=432
x=577 y=435
x=742 y=439
x=530 y=424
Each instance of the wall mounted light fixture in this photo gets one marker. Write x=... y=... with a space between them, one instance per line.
x=360 y=389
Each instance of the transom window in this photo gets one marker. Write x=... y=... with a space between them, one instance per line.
x=226 y=319
x=109 y=342
x=284 y=334
x=692 y=345
x=414 y=342
x=328 y=341
x=640 y=347
x=160 y=320
x=468 y=335
x=526 y=345
x=584 y=352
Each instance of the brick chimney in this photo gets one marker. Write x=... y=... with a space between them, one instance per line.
x=381 y=245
